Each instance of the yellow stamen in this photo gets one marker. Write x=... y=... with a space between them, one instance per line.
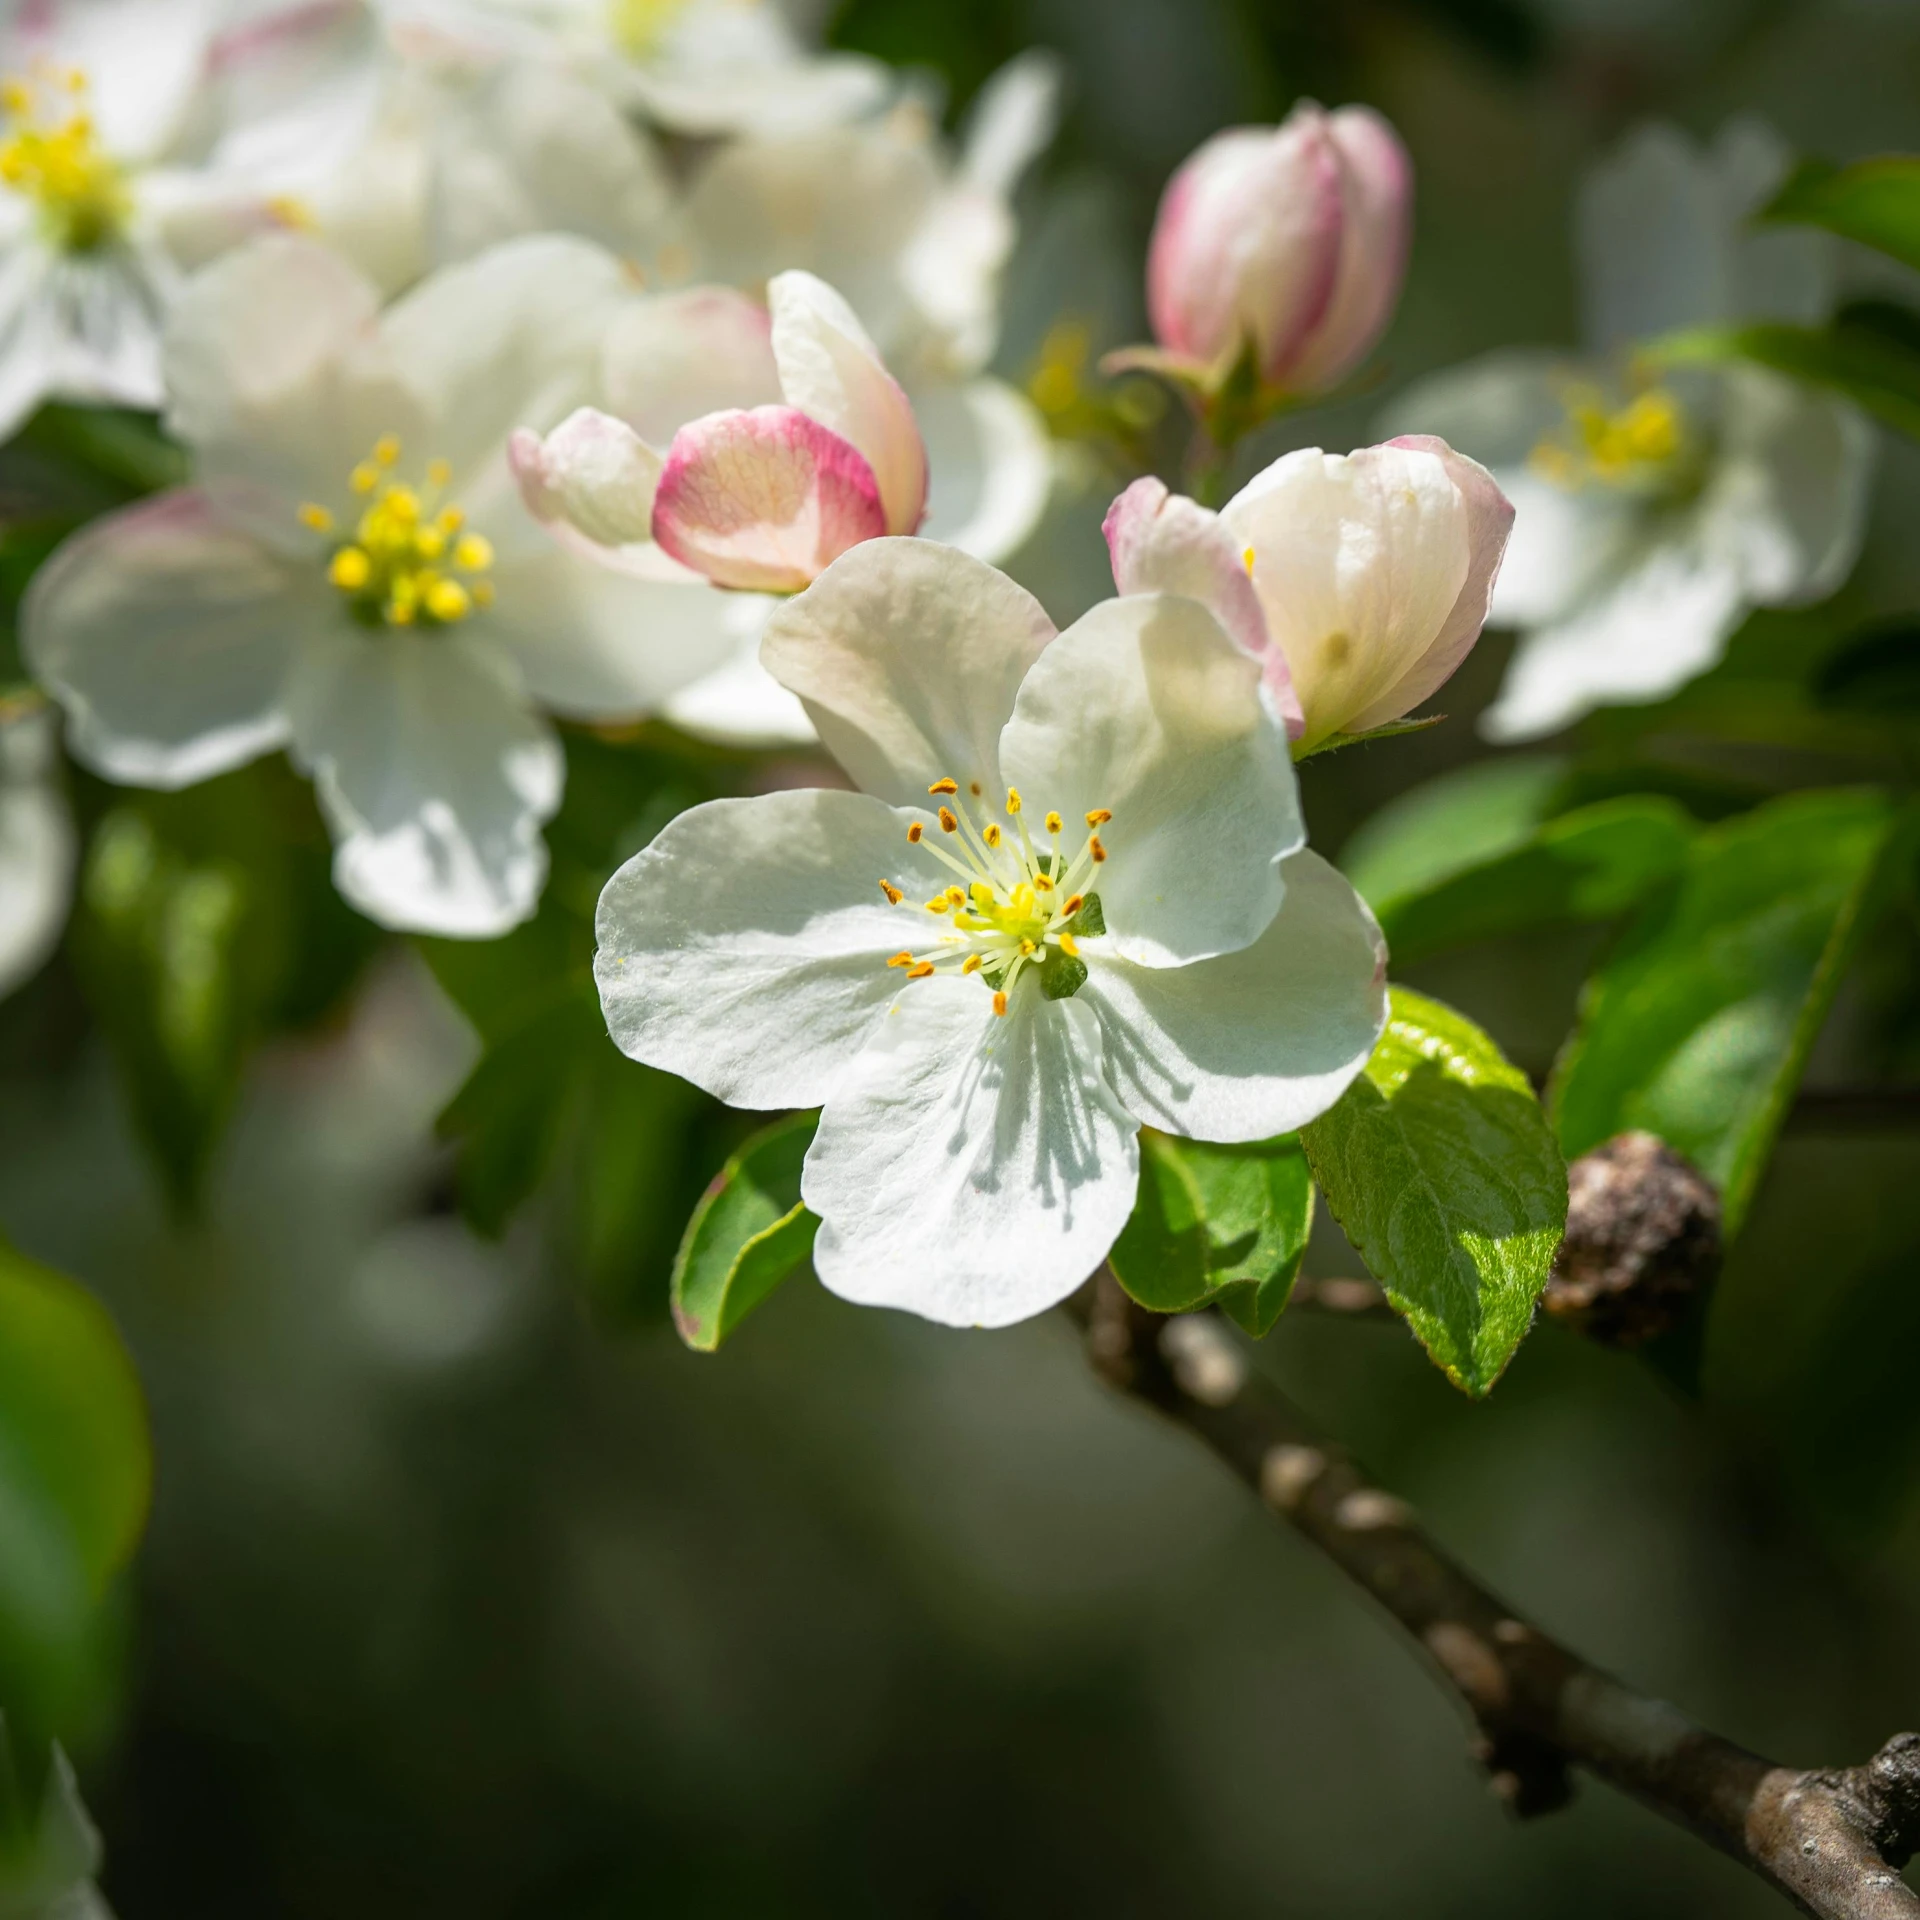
x=945 y=786
x=921 y=971
x=439 y=472
x=914 y=832
x=972 y=963
x=1068 y=944
x=1099 y=816
x=350 y=570
x=948 y=824
x=1246 y=560
x=901 y=960
x=893 y=893
x=364 y=478
x=474 y=552
x=386 y=450
x=1072 y=904
x=1095 y=848
x=318 y=518
x=1013 y=800
x=448 y=600
x=939 y=904
x=990 y=833
x=1054 y=823
x=1000 y=1003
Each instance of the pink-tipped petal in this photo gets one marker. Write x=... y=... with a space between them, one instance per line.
x=1247 y=243
x=1162 y=542
x=832 y=372
x=1376 y=182
x=764 y=499
x=1489 y=521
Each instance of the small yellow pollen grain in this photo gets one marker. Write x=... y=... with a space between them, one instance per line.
x=1000 y=1003
x=316 y=517
x=948 y=823
x=350 y=569
x=1072 y=904
x=971 y=964
x=1013 y=799
x=901 y=960
x=1096 y=849
x=1099 y=816
x=893 y=893
x=990 y=833
x=386 y=450
x=364 y=478
x=473 y=551
x=1054 y=823
x=921 y=971
x=945 y=786
x=1068 y=944
x=914 y=832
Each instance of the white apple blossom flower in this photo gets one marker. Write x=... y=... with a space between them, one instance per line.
x=51 y=1867
x=696 y=66
x=37 y=850
x=138 y=143
x=1359 y=581
x=1653 y=512
x=1071 y=897
x=351 y=574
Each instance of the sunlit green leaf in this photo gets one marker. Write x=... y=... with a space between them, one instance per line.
x=1486 y=852
x=1876 y=202
x=747 y=1234
x=1697 y=1026
x=1441 y=1168
x=1871 y=364
x=75 y=1479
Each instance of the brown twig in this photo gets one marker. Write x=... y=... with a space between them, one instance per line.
x=1830 y=1841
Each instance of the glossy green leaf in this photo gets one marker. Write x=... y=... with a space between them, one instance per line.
x=1216 y=1224
x=1697 y=1026
x=747 y=1234
x=1876 y=202
x=1442 y=1169
x=1486 y=852
x=75 y=1479
x=1872 y=364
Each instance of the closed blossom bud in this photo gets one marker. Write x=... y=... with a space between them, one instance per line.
x=1291 y=240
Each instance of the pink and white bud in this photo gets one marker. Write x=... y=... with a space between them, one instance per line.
x=593 y=473
x=1291 y=240
x=1371 y=572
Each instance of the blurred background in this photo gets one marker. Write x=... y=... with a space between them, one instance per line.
x=469 y=1592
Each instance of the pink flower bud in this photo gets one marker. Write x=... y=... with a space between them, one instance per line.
x=1292 y=239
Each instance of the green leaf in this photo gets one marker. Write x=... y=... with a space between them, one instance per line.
x=1697 y=1026
x=1864 y=359
x=1874 y=672
x=75 y=1479
x=1216 y=1224
x=1441 y=1168
x=1482 y=853
x=1876 y=202
x=747 y=1234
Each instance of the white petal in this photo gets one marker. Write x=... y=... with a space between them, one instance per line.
x=1358 y=561
x=38 y=848
x=1146 y=707
x=907 y=656
x=82 y=327
x=990 y=463
x=594 y=645
x=434 y=774
x=1495 y=409
x=592 y=472
x=672 y=357
x=746 y=948
x=833 y=373
x=1565 y=542
x=1666 y=620
x=1778 y=272
x=740 y=704
x=166 y=635
x=142 y=58
x=1256 y=1042
x=971 y=1169
x=1011 y=121
x=1789 y=493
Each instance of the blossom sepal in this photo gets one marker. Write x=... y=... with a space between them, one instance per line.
x=1417 y=723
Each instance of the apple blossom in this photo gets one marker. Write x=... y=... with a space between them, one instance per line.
x=137 y=144
x=1288 y=243
x=1655 y=511
x=1359 y=581
x=351 y=574
x=37 y=850
x=1070 y=898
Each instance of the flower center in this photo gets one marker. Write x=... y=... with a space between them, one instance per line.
x=1640 y=446
x=1017 y=907
x=409 y=562
x=639 y=26
x=52 y=155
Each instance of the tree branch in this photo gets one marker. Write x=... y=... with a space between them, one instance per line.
x=1830 y=1841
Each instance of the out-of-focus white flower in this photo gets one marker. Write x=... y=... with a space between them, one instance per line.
x=137 y=142
x=696 y=66
x=352 y=574
x=1360 y=581
x=50 y=1876
x=1070 y=898
x=1288 y=243
x=37 y=850
x=1653 y=511
x=757 y=496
